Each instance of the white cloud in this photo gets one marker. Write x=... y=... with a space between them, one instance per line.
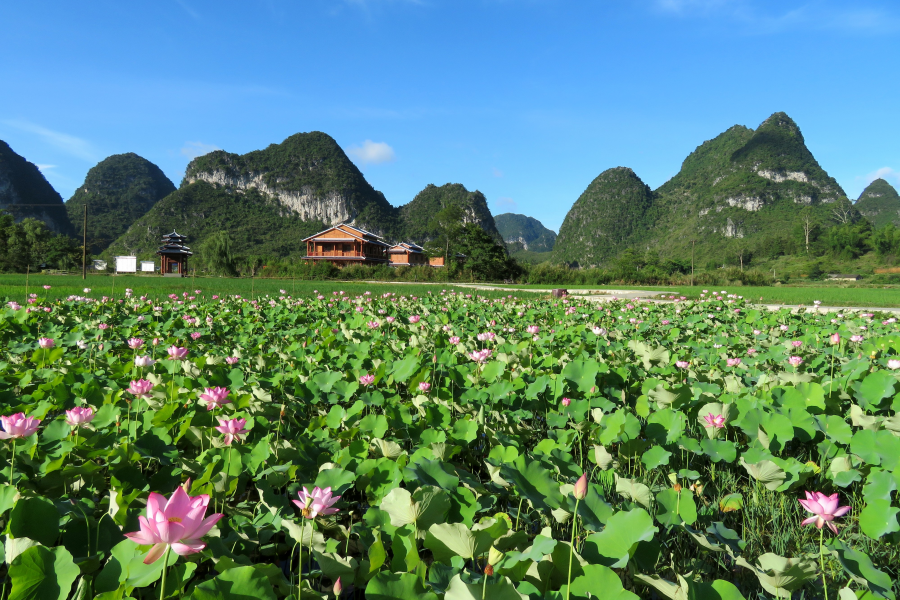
x=822 y=15
x=69 y=144
x=194 y=149
x=45 y=167
x=372 y=153
x=683 y=6
x=887 y=173
x=498 y=172
x=503 y=203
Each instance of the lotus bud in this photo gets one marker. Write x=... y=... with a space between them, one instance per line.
x=581 y=487
x=338 y=588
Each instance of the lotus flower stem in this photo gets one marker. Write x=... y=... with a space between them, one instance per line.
x=12 y=461
x=571 y=548
x=165 y=567
x=822 y=561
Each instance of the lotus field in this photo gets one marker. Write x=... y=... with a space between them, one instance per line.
x=450 y=446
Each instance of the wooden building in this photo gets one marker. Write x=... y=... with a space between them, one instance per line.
x=407 y=255
x=347 y=245
x=173 y=255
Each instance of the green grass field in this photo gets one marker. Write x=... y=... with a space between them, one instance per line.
x=13 y=287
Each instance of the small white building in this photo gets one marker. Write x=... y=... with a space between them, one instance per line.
x=148 y=266
x=126 y=264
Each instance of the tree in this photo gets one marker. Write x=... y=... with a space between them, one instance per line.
x=843 y=211
x=484 y=258
x=216 y=254
x=448 y=223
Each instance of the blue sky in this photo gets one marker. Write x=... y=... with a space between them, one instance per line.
x=525 y=100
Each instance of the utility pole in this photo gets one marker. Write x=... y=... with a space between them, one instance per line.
x=692 y=262
x=84 y=245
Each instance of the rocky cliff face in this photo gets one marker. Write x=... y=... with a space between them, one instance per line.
x=25 y=193
x=117 y=191
x=308 y=174
x=331 y=207
x=880 y=204
x=744 y=190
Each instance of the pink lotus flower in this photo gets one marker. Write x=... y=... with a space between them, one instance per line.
x=796 y=343
x=176 y=353
x=79 y=415
x=824 y=508
x=783 y=327
x=232 y=429
x=893 y=364
x=480 y=356
x=424 y=386
x=532 y=329
x=175 y=523
x=856 y=338
x=102 y=326
x=566 y=401
x=156 y=341
x=414 y=319
x=581 y=487
x=140 y=388
x=715 y=421
x=18 y=426
x=751 y=351
x=232 y=360
x=835 y=338
x=143 y=361
x=454 y=340
x=135 y=343
x=319 y=502
x=195 y=335
x=46 y=287
x=215 y=397
x=733 y=362
x=46 y=343
x=367 y=379
x=390 y=319
x=795 y=361
x=682 y=364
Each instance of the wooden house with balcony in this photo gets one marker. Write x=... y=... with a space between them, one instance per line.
x=407 y=255
x=347 y=245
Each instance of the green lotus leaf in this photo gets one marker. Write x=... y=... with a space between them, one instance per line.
x=634 y=491
x=534 y=483
x=616 y=544
x=874 y=389
x=879 y=518
x=423 y=508
x=676 y=507
x=861 y=569
x=766 y=472
x=397 y=586
x=497 y=587
x=446 y=540
x=41 y=573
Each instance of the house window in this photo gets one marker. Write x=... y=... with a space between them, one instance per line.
x=348 y=248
